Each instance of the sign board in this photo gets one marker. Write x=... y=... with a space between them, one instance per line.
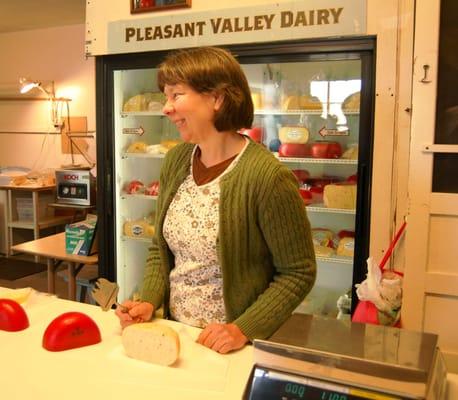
x=249 y=24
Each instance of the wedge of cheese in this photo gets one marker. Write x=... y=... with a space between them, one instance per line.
x=340 y=196
x=151 y=342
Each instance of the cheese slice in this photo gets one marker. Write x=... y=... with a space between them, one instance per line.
x=151 y=342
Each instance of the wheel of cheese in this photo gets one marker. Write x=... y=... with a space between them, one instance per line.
x=293 y=134
x=346 y=247
x=352 y=102
x=137 y=147
x=151 y=342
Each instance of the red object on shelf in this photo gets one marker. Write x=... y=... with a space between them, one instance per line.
x=134 y=187
x=301 y=174
x=306 y=195
x=324 y=149
x=317 y=194
x=69 y=331
x=13 y=318
x=152 y=189
x=293 y=150
x=255 y=133
x=353 y=178
x=146 y=3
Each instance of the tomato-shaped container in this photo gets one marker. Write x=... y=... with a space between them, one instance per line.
x=69 y=331
x=13 y=318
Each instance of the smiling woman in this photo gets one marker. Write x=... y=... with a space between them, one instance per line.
x=233 y=252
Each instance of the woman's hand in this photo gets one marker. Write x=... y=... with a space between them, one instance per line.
x=136 y=312
x=222 y=338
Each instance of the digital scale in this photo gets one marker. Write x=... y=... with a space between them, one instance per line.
x=317 y=358
x=75 y=187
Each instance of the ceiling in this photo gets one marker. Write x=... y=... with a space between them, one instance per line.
x=19 y=15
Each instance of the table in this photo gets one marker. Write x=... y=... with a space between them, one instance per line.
x=53 y=249
x=103 y=371
x=37 y=220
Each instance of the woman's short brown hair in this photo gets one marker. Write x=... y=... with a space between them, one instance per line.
x=212 y=70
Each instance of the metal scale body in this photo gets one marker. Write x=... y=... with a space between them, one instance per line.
x=313 y=357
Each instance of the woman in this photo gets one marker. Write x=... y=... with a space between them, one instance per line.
x=233 y=253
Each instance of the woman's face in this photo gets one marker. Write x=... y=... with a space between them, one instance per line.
x=190 y=111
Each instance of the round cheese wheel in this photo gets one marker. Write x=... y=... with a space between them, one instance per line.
x=293 y=134
x=151 y=342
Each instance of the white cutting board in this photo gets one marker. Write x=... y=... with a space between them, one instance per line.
x=103 y=371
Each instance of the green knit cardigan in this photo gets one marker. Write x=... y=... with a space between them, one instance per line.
x=264 y=243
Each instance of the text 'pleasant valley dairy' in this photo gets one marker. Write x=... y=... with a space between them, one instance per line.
x=220 y=25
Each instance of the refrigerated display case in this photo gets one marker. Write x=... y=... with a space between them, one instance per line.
x=313 y=109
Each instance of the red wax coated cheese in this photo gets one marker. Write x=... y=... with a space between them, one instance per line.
x=71 y=330
x=12 y=316
x=293 y=150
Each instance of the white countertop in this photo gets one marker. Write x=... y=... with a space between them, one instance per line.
x=103 y=371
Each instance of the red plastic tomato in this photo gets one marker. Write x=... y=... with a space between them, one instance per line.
x=71 y=330
x=12 y=316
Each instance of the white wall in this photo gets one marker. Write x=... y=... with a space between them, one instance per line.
x=45 y=54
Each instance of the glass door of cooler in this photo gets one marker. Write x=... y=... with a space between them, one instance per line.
x=308 y=114
x=142 y=137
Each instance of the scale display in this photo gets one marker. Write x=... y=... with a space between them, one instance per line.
x=268 y=384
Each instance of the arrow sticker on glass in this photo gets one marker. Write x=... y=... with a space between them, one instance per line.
x=333 y=132
x=133 y=131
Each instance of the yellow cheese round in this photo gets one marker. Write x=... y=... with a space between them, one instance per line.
x=293 y=134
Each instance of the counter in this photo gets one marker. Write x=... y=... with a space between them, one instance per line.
x=103 y=371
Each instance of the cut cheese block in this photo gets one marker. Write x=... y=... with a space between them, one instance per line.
x=151 y=342
x=346 y=247
x=340 y=196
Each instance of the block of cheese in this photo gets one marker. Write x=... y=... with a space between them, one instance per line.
x=301 y=103
x=139 y=229
x=324 y=251
x=341 y=195
x=346 y=247
x=351 y=103
x=151 y=342
x=293 y=134
x=144 y=102
x=137 y=147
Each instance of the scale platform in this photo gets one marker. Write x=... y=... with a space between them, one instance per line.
x=313 y=357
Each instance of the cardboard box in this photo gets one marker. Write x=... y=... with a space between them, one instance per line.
x=81 y=237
